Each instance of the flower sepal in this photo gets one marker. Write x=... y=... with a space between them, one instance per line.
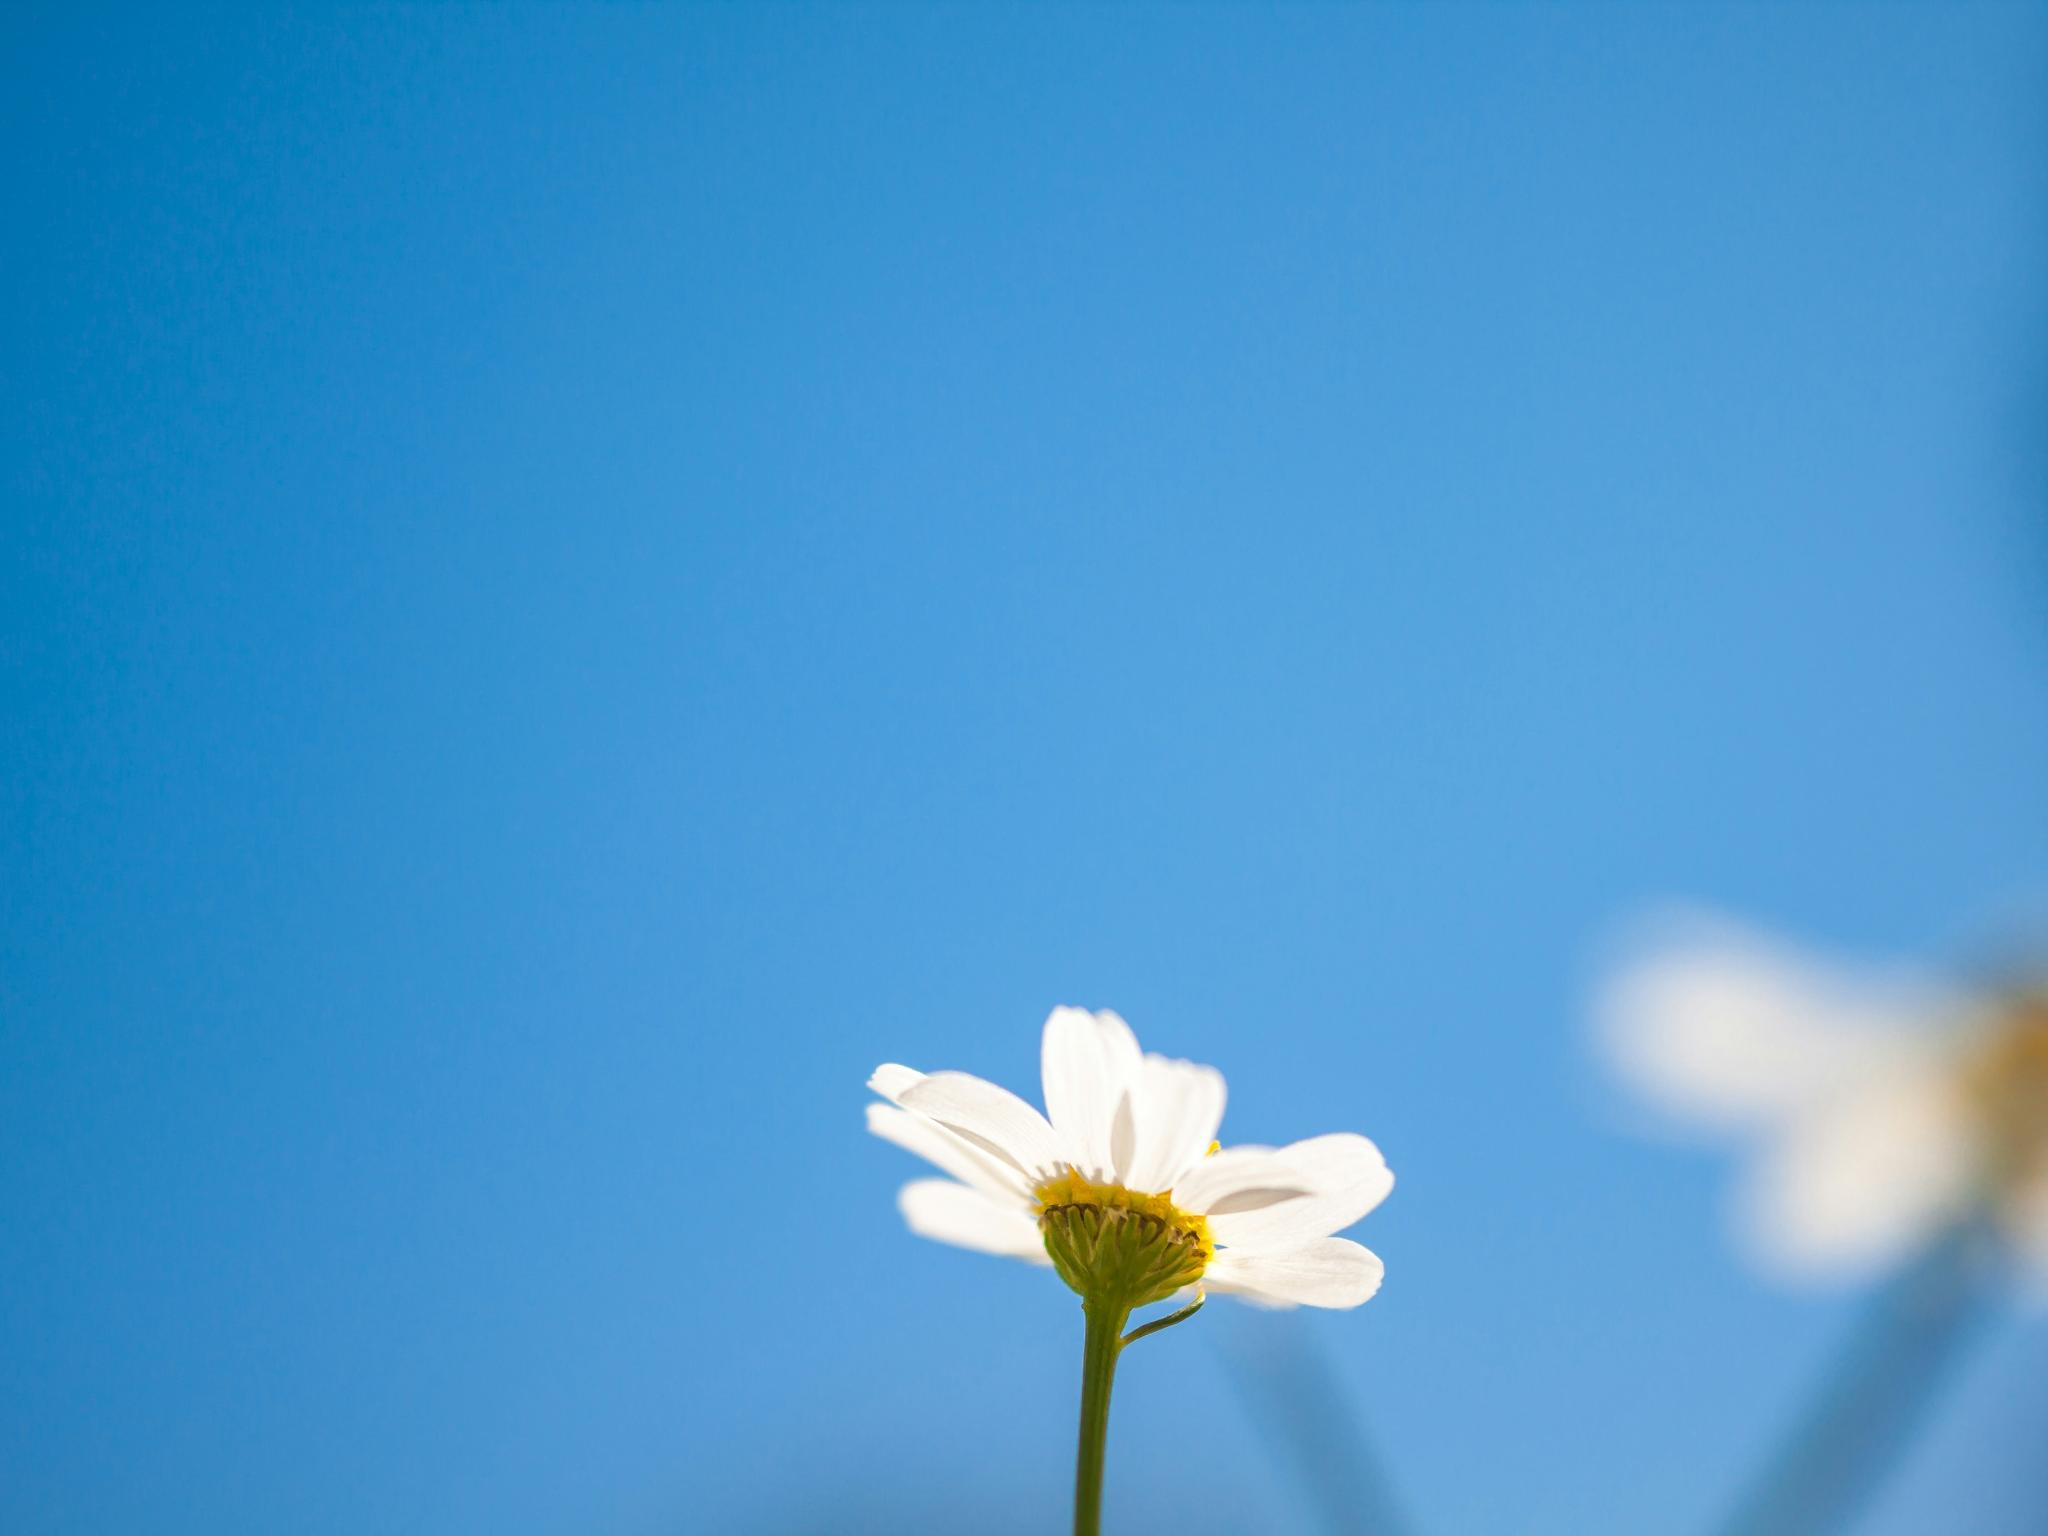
x=1119 y=1257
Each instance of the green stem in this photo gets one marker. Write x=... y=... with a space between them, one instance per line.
x=1098 y=1373
x=1161 y=1324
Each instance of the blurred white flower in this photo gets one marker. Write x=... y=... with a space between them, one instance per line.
x=1884 y=1106
x=1121 y=1186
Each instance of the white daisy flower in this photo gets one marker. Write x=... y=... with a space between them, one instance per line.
x=1120 y=1184
x=1887 y=1106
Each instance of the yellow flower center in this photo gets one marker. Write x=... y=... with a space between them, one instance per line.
x=2005 y=1081
x=1117 y=1244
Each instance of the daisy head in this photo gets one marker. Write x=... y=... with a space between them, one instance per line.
x=1121 y=1185
x=1882 y=1107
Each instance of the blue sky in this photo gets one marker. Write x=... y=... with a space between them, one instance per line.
x=577 y=577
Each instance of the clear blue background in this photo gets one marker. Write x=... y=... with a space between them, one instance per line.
x=575 y=578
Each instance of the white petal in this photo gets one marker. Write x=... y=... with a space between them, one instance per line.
x=892 y=1081
x=1863 y=1179
x=940 y=1147
x=993 y=1119
x=953 y=1213
x=1176 y=1109
x=1344 y=1176
x=1089 y=1061
x=1238 y=1178
x=1729 y=1029
x=1335 y=1272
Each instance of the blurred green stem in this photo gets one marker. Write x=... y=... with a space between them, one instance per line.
x=1298 y=1404
x=1876 y=1396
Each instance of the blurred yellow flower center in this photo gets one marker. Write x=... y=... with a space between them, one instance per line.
x=1112 y=1243
x=2006 y=1082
